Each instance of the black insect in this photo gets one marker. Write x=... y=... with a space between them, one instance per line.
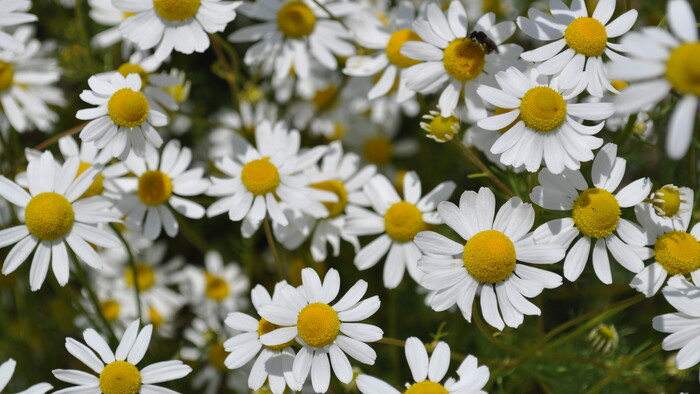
x=484 y=41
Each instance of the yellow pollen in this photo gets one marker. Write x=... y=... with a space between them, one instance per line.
x=7 y=74
x=403 y=221
x=464 y=59
x=295 y=19
x=682 y=69
x=326 y=99
x=176 y=10
x=145 y=276
x=155 y=317
x=110 y=310
x=120 y=377
x=618 y=84
x=127 y=15
x=217 y=356
x=318 y=325
x=49 y=216
x=542 y=109
x=667 y=200
x=500 y=111
x=97 y=186
x=378 y=150
x=155 y=188
x=586 y=36
x=264 y=327
x=393 y=48
x=260 y=176
x=444 y=129
x=216 y=288
x=127 y=108
x=426 y=387
x=678 y=252
x=336 y=187
x=489 y=256
x=596 y=213
x=130 y=68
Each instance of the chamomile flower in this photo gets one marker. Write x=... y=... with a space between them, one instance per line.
x=381 y=145
x=122 y=121
x=53 y=217
x=661 y=62
x=429 y=373
x=453 y=61
x=545 y=127
x=396 y=221
x=586 y=39
x=595 y=215
x=117 y=371
x=323 y=330
x=490 y=262
x=8 y=368
x=180 y=25
x=673 y=206
x=104 y=13
x=13 y=14
x=273 y=363
x=244 y=123
x=160 y=184
x=440 y=128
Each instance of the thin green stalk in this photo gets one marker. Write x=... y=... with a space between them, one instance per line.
x=330 y=14
x=134 y=271
x=624 y=367
x=466 y=151
x=281 y=270
x=484 y=330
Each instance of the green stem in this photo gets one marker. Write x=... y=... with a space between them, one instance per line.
x=92 y=296
x=484 y=330
x=330 y=14
x=281 y=271
x=134 y=271
x=615 y=373
x=466 y=151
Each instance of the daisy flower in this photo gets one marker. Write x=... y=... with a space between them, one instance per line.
x=672 y=206
x=546 y=125
x=490 y=262
x=104 y=13
x=160 y=184
x=117 y=371
x=324 y=331
x=428 y=373
x=274 y=362
x=381 y=145
x=454 y=60
x=122 y=120
x=585 y=38
x=659 y=63
x=440 y=128
x=53 y=218
x=397 y=221
x=180 y=25
x=684 y=325
x=244 y=123
x=12 y=14
x=8 y=368
x=595 y=215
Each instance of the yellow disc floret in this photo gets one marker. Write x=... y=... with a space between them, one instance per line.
x=426 y=387
x=216 y=288
x=131 y=68
x=678 y=252
x=403 y=221
x=586 y=36
x=542 y=109
x=619 y=84
x=295 y=19
x=393 y=48
x=682 y=69
x=336 y=187
x=155 y=188
x=110 y=310
x=176 y=10
x=260 y=176
x=667 y=201
x=217 y=356
x=127 y=108
x=443 y=128
x=327 y=98
x=155 y=317
x=489 y=256
x=464 y=59
x=7 y=74
x=49 y=216
x=378 y=150
x=120 y=377
x=145 y=276
x=264 y=327
x=596 y=213
x=318 y=325
x=96 y=187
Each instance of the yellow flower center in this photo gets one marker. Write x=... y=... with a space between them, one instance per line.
x=145 y=276
x=216 y=288
x=489 y=256
x=97 y=186
x=264 y=327
x=500 y=111
x=120 y=377
x=326 y=99
x=378 y=150
x=444 y=129
x=426 y=387
x=596 y=213
x=127 y=108
x=403 y=221
x=678 y=252
x=295 y=19
x=49 y=216
x=542 y=109
x=682 y=69
x=586 y=36
x=155 y=188
x=464 y=59
x=110 y=310
x=318 y=325
x=618 y=84
x=176 y=10
x=336 y=187
x=393 y=48
x=260 y=176
x=130 y=68
x=217 y=356
x=7 y=74
x=155 y=317
x=667 y=200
